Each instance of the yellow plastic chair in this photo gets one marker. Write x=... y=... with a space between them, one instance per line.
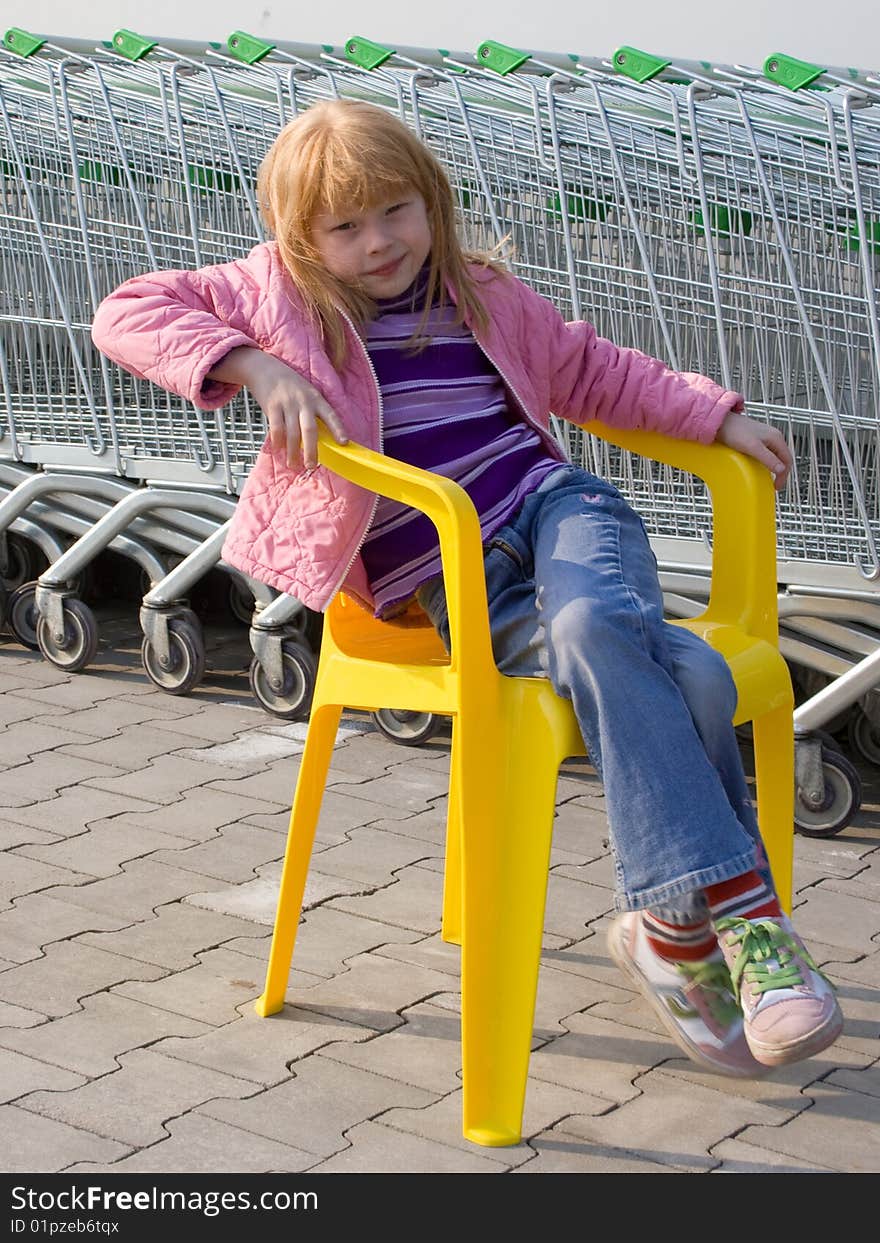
x=509 y=738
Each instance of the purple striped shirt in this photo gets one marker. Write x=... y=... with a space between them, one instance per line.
x=445 y=409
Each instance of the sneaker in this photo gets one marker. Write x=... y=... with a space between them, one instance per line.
x=789 y=1006
x=693 y=1001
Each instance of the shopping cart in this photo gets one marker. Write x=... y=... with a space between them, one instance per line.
x=95 y=190
x=724 y=218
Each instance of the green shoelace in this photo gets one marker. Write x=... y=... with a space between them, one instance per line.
x=760 y=945
x=714 y=979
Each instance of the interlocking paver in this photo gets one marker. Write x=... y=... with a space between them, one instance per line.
x=837 y=919
x=328 y=939
x=18 y=1016
x=136 y=890
x=196 y=1144
x=340 y=813
x=427 y=826
x=738 y=1157
x=559 y=1152
x=77 y=807
x=233 y=853
x=52 y=688
x=21 y=1074
x=22 y=875
x=863 y=883
x=46 y=775
x=599 y=1058
x=782 y=1087
x=37 y=920
x=132 y=1104
x=136 y=745
x=209 y=992
x=545 y=1105
x=850 y=1116
x=162 y=781
x=27 y=677
x=413 y=900
x=219 y=722
x=360 y=1070
x=432 y=952
x=370 y=856
x=173 y=937
x=199 y=813
x=114 y=715
x=865 y=1080
x=275 y=783
x=12 y=835
x=598 y=872
x=671 y=1122
x=425 y=1050
x=102 y=849
x=258 y=899
x=45 y=1146
x=13 y=708
x=372 y=990
x=405 y=785
x=314 y=1110
x=261 y=1049
x=372 y=1146
x=67 y=973
x=30 y=738
x=864 y=971
x=91 y=1040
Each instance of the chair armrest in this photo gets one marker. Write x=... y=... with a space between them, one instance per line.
x=461 y=549
x=743 y=589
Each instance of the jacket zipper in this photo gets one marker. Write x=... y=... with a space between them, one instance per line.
x=369 y=521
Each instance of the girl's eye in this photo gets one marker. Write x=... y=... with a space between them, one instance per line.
x=395 y=207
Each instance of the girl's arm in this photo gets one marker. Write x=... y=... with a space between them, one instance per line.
x=172 y=328
x=291 y=405
x=590 y=377
x=184 y=332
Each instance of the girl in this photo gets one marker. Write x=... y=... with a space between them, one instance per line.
x=366 y=314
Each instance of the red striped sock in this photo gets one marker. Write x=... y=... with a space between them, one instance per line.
x=679 y=942
x=747 y=896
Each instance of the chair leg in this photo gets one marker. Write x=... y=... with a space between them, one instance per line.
x=321 y=737
x=774 y=771
x=450 y=928
x=505 y=856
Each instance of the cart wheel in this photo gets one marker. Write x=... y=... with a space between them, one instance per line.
x=842 y=798
x=22 y=563
x=292 y=700
x=864 y=736
x=22 y=615
x=408 y=728
x=186 y=665
x=241 y=602
x=80 y=643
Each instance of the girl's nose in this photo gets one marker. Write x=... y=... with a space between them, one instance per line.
x=376 y=237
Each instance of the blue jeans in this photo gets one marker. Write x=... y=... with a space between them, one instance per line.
x=574 y=596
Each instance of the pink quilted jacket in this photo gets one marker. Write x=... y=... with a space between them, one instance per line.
x=302 y=533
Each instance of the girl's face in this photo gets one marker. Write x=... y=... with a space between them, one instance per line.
x=380 y=250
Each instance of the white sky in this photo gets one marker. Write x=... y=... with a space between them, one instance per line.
x=745 y=32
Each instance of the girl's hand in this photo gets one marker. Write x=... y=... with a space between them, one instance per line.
x=291 y=405
x=764 y=443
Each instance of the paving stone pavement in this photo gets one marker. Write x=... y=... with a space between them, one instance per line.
x=142 y=836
